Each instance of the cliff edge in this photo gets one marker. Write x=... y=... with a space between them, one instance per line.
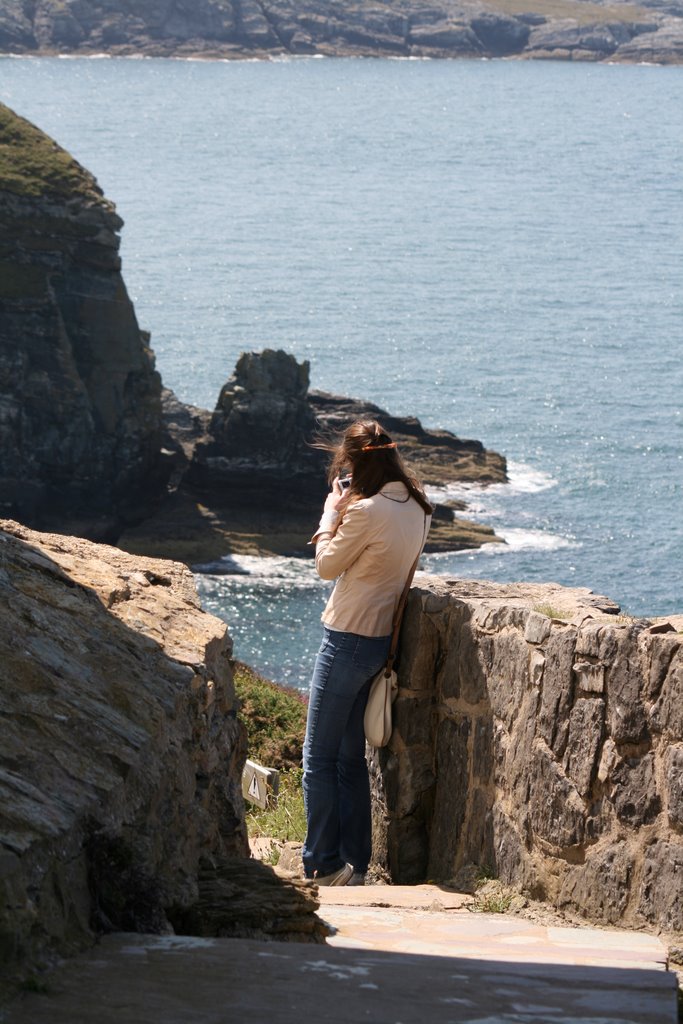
x=80 y=430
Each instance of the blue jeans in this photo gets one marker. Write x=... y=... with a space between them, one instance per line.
x=336 y=786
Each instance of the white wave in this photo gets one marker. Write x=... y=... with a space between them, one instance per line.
x=517 y=539
x=78 y=56
x=522 y=479
x=525 y=479
x=265 y=568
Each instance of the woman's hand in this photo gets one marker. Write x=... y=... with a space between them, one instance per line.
x=335 y=497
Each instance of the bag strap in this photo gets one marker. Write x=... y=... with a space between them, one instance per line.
x=400 y=607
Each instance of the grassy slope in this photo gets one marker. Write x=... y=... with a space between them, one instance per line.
x=275 y=717
x=32 y=164
x=581 y=11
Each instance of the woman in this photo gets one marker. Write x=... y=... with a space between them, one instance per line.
x=369 y=537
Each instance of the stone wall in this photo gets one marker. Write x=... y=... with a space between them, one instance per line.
x=539 y=736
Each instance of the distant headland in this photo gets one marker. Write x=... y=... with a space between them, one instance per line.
x=585 y=30
x=91 y=443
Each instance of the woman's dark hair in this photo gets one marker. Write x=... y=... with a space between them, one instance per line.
x=367 y=452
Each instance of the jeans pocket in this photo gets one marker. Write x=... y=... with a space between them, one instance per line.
x=370 y=654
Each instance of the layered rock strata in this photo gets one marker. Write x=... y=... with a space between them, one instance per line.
x=120 y=758
x=569 y=29
x=539 y=738
x=80 y=400
x=249 y=477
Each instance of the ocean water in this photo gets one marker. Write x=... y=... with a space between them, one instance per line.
x=494 y=246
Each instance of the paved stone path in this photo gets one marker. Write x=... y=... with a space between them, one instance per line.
x=401 y=955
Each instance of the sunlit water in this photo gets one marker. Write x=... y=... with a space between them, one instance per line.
x=493 y=246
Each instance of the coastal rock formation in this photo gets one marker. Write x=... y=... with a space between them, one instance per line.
x=80 y=401
x=573 y=29
x=248 y=478
x=437 y=457
x=257 y=448
x=539 y=737
x=120 y=757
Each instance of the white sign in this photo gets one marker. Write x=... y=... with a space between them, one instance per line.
x=259 y=784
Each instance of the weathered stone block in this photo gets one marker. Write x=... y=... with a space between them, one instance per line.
x=600 y=888
x=536 y=667
x=508 y=677
x=674 y=785
x=667 y=714
x=482 y=749
x=556 y=811
x=558 y=689
x=479 y=831
x=537 y=628
x=450 y=803
x=448 y=679
x=408 y=851
x=590 y=677
x=661 y=893
x=634 y=791
x=597 y=641
x=512 y=862
x=407 y=785
x=586 y=723
x=413 y=720
x=418 y=649
x=512 y=775
x=626 y=720
x=609 y=758
x=659 y=653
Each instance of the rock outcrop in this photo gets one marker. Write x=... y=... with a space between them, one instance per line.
x=249 y=477
x=257 y=451
x=539 y=737
x=218 y=28
x=80 y=400
x=120 y=758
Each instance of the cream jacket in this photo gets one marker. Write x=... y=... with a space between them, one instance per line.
x=370 y=555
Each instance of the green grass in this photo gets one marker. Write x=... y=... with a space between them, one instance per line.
x=493 y=903
x=275 y=717
x=32 y=164
x=581 y=11
x=286 y=821
x=551 y=611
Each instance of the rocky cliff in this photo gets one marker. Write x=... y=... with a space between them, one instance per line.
x=539 y=738
x=565 y=29
x=80 y=401
x=248 y=477
x=120 y=759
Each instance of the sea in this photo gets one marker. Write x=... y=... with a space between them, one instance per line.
x=492 y=246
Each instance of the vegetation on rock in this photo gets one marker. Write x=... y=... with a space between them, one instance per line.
x=32 y=164
x=275 y=719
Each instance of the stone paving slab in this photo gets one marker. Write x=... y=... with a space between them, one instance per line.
x=430 y=921
x=416 y=897
x=135 y=979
